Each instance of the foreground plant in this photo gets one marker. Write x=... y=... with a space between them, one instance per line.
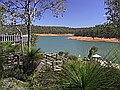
x=6 y=50
x=89 y=76
x=31 y=60
x=13 y=84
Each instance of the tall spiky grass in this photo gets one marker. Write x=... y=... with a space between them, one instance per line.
x=113 y=55
x=30 y=60
x=89 y=76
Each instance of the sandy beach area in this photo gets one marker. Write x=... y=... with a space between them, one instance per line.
x=71 y=37
x=51 y=35
x=54 y=34
x=95 y=39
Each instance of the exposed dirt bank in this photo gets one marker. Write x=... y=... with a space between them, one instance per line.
x=71 y=37
x=94 y=39
x=51 y=35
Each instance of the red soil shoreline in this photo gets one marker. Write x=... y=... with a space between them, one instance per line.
x=51 y=35
x=54 y=34
x=95 y=39
x=71 y=37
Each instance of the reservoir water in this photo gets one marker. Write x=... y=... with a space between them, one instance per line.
x=56 y=44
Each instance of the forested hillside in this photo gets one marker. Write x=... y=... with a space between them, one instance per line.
x=101 y=31
x=43 y=29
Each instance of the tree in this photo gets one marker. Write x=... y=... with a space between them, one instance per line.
x=26 y=11
x=113 y=13
x=92 y=51
x=2 y=10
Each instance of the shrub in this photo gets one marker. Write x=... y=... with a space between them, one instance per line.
x=13 y=84
x=89 y=76
x=31 y=60
x=72 y=57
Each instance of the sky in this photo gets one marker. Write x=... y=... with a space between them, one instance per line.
x=79 y=13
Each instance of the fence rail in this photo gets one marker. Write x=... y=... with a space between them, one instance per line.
x=10 y=38
x=54 y=61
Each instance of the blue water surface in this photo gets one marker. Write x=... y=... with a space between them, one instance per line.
x=56 y=44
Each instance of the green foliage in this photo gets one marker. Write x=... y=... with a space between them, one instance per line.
x=113 y=14
x=8 y=48
x=44 y=80
x=17 y=9
x=27 y=11
x=66 y=53
x=101 y=31
x=75 y=75
x=73 y=57
x=113 y=55
x=106 y=30
x=92 y=51
x=15 y=73
x=46 y=29
x=2 y=16
x=13 y=84
x=33 y=81
x=31 y=60
x=34 y=39
x=117 y=56
x=89 y=76
x=113 y=11
x=61 y=53
x=5 y=50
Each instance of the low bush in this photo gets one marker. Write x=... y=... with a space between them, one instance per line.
x=89 y=76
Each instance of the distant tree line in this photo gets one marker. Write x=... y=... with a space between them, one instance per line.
x=42 y=29
x=101 y=31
